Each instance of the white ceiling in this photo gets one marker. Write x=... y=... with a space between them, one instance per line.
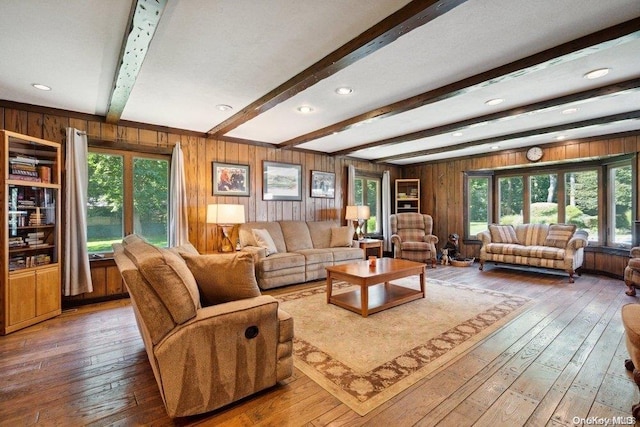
x=237 y=52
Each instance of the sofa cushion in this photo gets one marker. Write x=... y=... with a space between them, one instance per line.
x=320 y=232
x=317 y=256
x=341 y=236
x=296 y=235
x=169 y=277
x=559 y=235
x=503 y=234
x=246 y=235
x=532 y=234
x=186 y=248
x=155 y=316
x=281 y=262
x=263 y=239
x=416 y=246
x=342 y=255
x=224 y=277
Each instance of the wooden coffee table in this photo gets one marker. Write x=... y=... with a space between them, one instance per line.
x=375 y=292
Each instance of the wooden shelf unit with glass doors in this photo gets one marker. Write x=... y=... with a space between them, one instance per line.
x=30 y=291
x=407 y=195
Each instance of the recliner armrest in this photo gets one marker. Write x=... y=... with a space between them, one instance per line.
x=430 y=238
x=226 y=352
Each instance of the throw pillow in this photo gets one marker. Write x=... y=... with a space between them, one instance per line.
x=223 y=277
x=341 y=236
x=264 y=240
x=559 y=235
x=503 y=234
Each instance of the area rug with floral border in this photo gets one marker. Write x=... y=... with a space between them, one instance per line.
x=366 y=361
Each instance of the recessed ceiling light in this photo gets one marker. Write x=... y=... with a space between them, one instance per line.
x=457 y=134
x=41 y=86
x=594 y=74
x=224 y=107
x=495 y=147
x=495 y=101
x=570 y=111
x=344 y=90
x=305 y=109
x=560 y=137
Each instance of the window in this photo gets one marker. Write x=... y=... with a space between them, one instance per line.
x=620 y=204
x=367 y=192
x=478 y=205
x=128 y=193
x=597 y=196
x=581 y=201
x=543 y=199
x=511 y=192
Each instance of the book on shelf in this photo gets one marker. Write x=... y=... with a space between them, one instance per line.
x=24 y=178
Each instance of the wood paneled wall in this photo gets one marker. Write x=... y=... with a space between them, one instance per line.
x=442 y=185
x=199 y=153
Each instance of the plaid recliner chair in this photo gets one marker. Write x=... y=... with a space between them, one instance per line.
x=412 y=239
x=632 y=272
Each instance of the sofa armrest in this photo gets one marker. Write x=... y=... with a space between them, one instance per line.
x=484 y=237
x=579 y=240
x=214 y=358
x=257 y=252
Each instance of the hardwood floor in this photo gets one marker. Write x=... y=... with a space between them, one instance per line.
x=561 y=358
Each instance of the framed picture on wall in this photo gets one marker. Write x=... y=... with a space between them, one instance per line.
x=281 y=181
x=230 y=180
x=323 y=184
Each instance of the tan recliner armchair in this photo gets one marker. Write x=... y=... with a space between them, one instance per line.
x=207 y=345
x=631 y=322
x=632 y=272
x=412 y=239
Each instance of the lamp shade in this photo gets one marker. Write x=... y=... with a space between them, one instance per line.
x=225 y=214
x=357 y=212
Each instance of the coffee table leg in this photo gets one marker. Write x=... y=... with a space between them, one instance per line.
x=329 y=286
x=364 y=300
x=424 y=294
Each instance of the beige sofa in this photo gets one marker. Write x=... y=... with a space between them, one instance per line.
x=211 y=338
x=302 y=250
x=556 y=246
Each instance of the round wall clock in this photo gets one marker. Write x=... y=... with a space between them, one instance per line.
x=534 y=154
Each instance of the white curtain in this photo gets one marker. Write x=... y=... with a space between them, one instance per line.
x=77 y=272
x=386 y=211
x=178 y=221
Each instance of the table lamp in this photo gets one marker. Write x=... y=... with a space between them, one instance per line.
x=358 y=214
x=226 y=217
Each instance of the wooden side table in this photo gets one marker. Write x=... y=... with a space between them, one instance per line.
x=365 y=244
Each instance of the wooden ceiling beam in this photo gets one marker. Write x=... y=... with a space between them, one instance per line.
x=569 y=51
x=595 y=93
x=143 y=21
x=411 y=16
x=630 y=115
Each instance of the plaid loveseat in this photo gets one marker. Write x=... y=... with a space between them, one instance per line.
x=556 y=246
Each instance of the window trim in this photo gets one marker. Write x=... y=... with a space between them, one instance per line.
x=128 y=154
x=366 y=175
x=602 y=167
x=471 y=175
